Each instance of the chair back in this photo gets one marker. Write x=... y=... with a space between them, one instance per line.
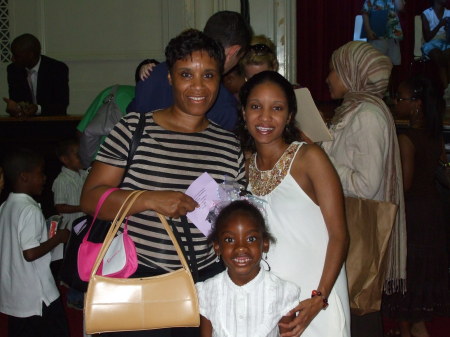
x=418 y=37
x=358 y=29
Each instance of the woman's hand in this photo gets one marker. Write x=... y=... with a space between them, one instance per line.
x=307 y=310
x=170 y=203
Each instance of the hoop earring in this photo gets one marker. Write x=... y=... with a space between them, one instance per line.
x=267 y=264
x=265 y=256
x=217 y=258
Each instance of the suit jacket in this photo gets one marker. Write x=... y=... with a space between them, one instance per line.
x=52 y=92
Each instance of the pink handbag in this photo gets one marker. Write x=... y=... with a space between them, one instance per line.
x=121 y=256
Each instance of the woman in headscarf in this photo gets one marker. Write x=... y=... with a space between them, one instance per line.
x=365 y=152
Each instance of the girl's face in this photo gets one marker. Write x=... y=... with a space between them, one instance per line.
x=266 y=113
x=195 y=81
x=241 y=244
x=335 y=85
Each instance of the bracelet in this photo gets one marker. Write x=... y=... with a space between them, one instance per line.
x=315 y=293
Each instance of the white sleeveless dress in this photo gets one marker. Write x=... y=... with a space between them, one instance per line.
x=299 y=253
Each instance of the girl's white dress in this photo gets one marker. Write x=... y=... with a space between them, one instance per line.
x=299 y=253
x=251 y=310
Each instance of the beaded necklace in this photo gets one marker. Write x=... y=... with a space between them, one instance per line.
x=264 y=182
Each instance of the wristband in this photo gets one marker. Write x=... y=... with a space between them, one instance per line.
x=315 y=293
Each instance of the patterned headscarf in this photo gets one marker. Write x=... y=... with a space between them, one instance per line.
x=365 y=73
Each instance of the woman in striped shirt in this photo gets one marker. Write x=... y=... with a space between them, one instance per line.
x=177 y=145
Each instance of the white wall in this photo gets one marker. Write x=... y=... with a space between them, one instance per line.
x=102 y=41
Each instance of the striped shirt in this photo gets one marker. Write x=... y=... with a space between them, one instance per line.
x=167 y=160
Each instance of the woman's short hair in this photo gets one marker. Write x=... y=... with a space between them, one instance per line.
x=189 y=41
x=261 y=51
x=291 y=132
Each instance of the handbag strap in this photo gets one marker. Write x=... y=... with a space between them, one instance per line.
x=135 y=140
x=121 y=214
x=97 y=208
x=115 y=225
x=174 y=241
x=189 y=242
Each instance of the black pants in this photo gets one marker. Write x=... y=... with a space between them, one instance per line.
x=369 y=325
x=52 y=323
x=203 y=275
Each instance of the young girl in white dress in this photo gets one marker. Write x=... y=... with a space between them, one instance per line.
x=245 y=299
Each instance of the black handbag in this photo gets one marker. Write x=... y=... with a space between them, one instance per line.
x=68 y=273
x=69 y=270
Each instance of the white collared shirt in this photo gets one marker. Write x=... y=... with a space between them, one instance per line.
x=24 y=285
x=34 y=79
x=67 y=190
x=251 y=310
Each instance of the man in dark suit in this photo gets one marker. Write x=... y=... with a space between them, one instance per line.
x=38 y=85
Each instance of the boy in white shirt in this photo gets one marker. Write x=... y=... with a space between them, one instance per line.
x=68 y=184
x=66 y=189
x=28 y=293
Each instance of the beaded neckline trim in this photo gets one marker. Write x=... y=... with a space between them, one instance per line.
x=264 y=182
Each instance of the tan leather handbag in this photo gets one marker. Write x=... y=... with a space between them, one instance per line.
x=163 y=301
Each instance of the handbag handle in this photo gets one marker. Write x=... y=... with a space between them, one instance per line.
x=175 y=242
x=97 y=209
x=121 y=214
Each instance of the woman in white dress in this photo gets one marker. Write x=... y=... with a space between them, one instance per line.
x=305 y=206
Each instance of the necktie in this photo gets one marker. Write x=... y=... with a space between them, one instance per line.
x=30 y=83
